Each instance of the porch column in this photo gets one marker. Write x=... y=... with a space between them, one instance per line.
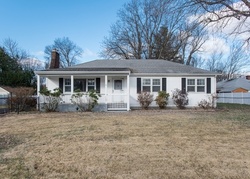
x=38 y=92
x=72 y=85
x=128 y=93
x=106 y=89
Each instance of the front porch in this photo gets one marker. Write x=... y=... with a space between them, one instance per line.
x=113 y=88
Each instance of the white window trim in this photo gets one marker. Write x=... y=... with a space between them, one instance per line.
x=87 y=85
x=196 y=85
x=64 y=85
x=151 y=84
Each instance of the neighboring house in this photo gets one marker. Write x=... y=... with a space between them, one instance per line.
x=238 y=85
x=4 y=101
x=3 y=92
x=120 y=81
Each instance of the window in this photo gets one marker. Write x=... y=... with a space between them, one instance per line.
x=200 y=85
x=151 y=85
x=117 y=84
x=67 y=86
x=146 y=85
x=191 y=85
x=91 y=84
x=156 y=85
x=80 y=84
x=196 y=85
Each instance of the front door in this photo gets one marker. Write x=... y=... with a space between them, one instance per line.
x=118 y=90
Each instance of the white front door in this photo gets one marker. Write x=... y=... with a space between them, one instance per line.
x=118 y=91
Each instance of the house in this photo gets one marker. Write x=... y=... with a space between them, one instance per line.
x=3 y=92
x=4 y=100
x=237 y=85
x=120 y=81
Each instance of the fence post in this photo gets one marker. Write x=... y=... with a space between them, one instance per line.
x=242 y=98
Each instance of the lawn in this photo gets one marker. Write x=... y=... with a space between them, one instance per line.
x=137 y=144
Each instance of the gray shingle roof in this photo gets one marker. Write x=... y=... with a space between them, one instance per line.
x=230 y=85
x=141 y=66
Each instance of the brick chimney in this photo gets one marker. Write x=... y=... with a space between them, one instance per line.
x=55 y=60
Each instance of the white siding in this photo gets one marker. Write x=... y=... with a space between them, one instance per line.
x=172 y=83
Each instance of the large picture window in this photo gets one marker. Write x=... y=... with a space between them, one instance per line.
x=80 y=84
x=196 y=85
x=151 y=85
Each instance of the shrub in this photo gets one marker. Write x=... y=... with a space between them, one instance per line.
x=210 y=103
x=180 y=98
x=51 y=99
x=162 y=99
x=145 y=99
x=21 y=98
x=85 y=101
x=204 y=104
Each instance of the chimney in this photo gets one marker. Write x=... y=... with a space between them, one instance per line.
x=55 y=60
x=248 y=77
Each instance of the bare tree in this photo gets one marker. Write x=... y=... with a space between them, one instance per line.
x=191 y=38
x=237 y=60
x=223 y=12
x=12 y=48
x=132 y=36
x=154 y=29
x=229 y=64
x=215 y=62
x=67 y=49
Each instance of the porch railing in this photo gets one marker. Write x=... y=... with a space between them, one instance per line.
x=113 y=101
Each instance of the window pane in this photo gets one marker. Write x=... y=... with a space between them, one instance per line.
x=67 y=88
x=191 y=81
x=80 y=84
x=200 y=82
x=190 y=88
x=118 y=84
x=156 y=88
x=91 y=82
x=146 y=88
x=146 y=82
x=91 y=88
x=67 y=81
x=156 y=82
x=200 y=89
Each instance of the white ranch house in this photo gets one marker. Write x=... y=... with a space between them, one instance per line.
x=120 y=81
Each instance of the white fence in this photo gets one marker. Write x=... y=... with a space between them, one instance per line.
x=239 y=98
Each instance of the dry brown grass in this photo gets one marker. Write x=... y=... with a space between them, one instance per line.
x=139 y=144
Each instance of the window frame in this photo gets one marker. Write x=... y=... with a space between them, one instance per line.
x=87 y=84
x=67 y=85
x=196 y=85
x=151 y=85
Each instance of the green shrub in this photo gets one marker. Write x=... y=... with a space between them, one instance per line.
x=51 y=99
x=162 y=99
x=85 y=101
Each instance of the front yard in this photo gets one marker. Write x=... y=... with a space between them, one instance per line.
x=137 y=144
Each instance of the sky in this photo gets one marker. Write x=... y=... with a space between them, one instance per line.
x=34 y=24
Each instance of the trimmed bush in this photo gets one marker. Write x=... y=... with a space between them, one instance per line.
x=162 y=99
x=180 y=98
x=145 y=99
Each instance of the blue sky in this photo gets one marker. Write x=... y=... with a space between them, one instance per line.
x=33 y=24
